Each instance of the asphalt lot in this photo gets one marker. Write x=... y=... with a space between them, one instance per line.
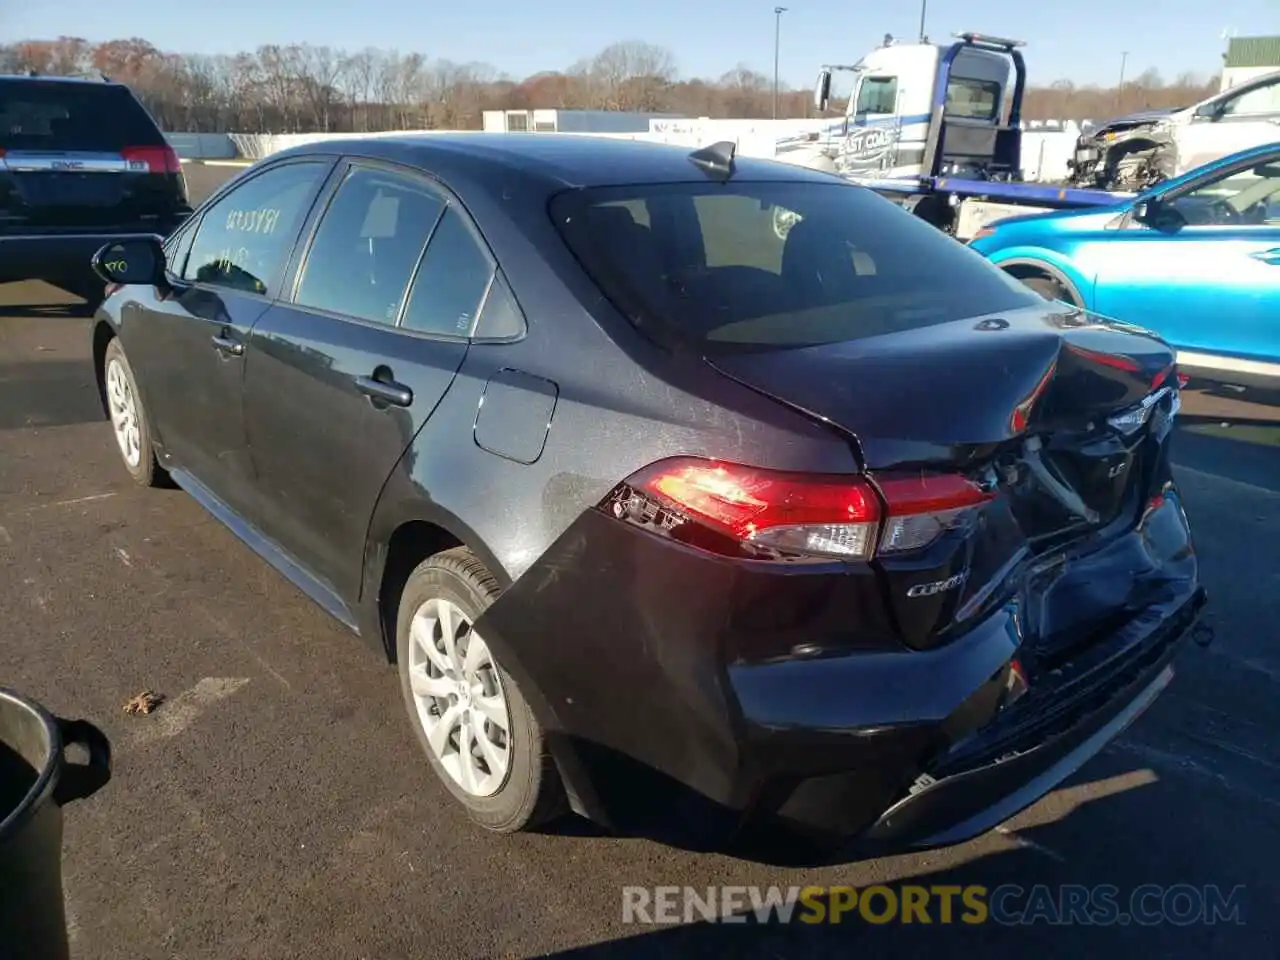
x=277 y=807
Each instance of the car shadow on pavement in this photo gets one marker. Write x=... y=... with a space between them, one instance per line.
x=50 y=311
x=1230 y=434
x=48 y=393
x=1126 y=865
x=1247 y=395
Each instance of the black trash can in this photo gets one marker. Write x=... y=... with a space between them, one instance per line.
x=36 y=780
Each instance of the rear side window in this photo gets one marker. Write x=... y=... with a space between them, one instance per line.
x=368 y=244
x=245 y=238
x=452 y=282
x=776 y=264
x=73 y=116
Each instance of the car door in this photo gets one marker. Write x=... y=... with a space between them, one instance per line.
x=1203 y=270
x=1244 y=119
x=344 y=371
x=189 y=343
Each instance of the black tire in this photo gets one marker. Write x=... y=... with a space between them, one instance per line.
x=532 y=794
x=1048 y=288
x=147 y=472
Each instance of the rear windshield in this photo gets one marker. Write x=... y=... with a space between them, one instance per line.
x=742 y=265
x=971 y=99
x=36 y=115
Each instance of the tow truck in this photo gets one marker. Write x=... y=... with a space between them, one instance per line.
x=938 y=129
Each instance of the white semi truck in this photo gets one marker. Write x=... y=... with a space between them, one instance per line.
x=937 y=128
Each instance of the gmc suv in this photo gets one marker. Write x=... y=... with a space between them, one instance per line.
x=81 y=162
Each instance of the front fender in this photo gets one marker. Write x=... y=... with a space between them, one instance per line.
x=104 y=329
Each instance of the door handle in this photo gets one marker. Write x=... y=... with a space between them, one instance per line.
x=388 y=391
x=1268 y=256
x=227 y=346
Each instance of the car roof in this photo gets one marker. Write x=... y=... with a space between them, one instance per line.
x=556 y=160
x=96 y=81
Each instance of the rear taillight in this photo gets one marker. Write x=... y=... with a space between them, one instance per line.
x=1116 y=361
x=813 y=516
x=152 y=159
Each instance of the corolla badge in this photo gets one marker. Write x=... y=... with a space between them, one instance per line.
x=938 y=586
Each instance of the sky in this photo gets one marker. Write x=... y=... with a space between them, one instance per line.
x=1080 y=40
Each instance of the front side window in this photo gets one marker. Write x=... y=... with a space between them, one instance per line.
x=754 y=265
x=1260 y=100
x=877 y=95
x=176 y=248
x=368 y=244
x=245 y=238
x=1243 y=196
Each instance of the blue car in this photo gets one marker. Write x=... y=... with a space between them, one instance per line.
x=1195 y=259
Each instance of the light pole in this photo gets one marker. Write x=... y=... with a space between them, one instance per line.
x=1124 y=59
x=777 y=33
x=924 y=8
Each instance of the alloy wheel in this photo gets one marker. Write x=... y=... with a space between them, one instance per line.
x=459 y=698
x=124 y=413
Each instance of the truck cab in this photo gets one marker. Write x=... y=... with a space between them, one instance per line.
x=923 y=109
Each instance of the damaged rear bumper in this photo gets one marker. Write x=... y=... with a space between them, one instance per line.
x=649 y=665
x=973 y=789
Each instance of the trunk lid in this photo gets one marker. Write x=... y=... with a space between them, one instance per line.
x=77 y=155
x=1062 y=417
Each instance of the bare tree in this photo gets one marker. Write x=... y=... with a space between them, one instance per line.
x=358 y=75
x=746 y=92
x=301 y=88
x=320 y=69
x=631 y=75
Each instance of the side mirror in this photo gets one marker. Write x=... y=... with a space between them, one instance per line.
x=822 y=90
x=1209 y=111
x=137 y=260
